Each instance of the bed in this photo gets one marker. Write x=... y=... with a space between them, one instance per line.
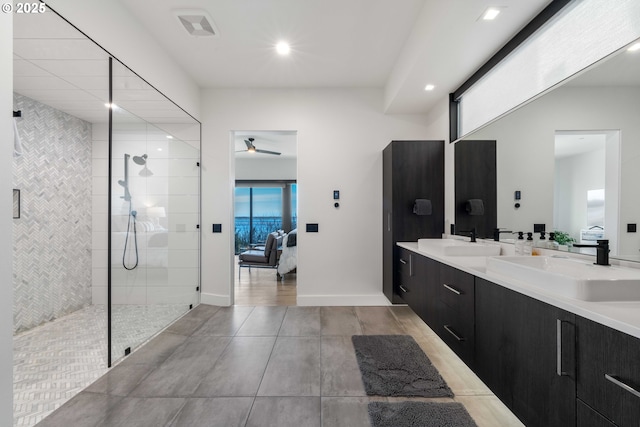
x=289 y=258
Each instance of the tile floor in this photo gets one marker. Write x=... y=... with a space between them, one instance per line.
x=55 y=361
x=263 y=366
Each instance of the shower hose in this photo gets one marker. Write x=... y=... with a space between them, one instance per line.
x=131 y=221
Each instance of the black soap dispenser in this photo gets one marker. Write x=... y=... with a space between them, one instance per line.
x=520 y=243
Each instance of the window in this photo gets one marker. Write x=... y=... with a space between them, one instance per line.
x=259 y=210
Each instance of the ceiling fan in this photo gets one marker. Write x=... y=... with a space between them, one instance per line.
x=252 y=148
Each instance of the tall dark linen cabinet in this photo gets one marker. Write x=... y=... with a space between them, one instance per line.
x=411 y=170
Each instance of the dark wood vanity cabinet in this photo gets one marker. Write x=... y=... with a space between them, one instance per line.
x=455 y=322
x=550 y=367
x=525 y=353
x=608 y=374
x=410 y=170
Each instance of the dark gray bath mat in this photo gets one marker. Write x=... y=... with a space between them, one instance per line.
x=394 y=365
x=419 y=414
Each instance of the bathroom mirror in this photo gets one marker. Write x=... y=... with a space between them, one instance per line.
x=567 y=148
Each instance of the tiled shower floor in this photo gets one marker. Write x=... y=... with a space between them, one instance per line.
x=55 y=361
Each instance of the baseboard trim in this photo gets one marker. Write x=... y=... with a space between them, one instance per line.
x=342 y=300
x=214 y=299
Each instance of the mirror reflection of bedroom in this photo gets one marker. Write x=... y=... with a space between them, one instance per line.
x=265 y=218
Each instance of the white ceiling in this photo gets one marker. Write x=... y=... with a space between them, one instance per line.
x=57 y=65
x=399 y=45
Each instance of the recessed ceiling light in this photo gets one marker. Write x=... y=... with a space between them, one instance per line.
x=429 y=87
x=490 y=14
x=112 y=106
x=169 y=137
x=283 y=48
x=634 y=47
x=197 y=22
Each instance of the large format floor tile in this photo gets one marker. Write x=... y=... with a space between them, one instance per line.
x=345 y=412
x=183 y=371
x=265 y=366
x=301 y=321
x=239 y=369
x=285 y=412
x=225 y=322
x=293 y=369
x=340 y=372
x=216 y=412
x=263 y=321
x=339 y=321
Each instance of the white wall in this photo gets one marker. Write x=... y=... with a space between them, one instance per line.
x=341 y=135
x=6 y=203
x=266 y=167
x=526 y=152
x=110 y=25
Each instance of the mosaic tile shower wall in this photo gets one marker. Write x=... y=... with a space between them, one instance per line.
x=52 y=237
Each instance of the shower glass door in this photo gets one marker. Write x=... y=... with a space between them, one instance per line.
x=155 y=211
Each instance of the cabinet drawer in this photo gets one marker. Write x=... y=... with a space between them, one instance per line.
x=405 y=263
x=609 y=372
x=456 y=289
x=587 y=417
x=457 y=329
x=412 y=294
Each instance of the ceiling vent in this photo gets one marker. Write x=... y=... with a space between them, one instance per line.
x=197 y=22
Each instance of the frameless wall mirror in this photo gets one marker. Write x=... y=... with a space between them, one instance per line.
x=580 y=137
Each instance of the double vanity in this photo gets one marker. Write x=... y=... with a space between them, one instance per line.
x=557 y=339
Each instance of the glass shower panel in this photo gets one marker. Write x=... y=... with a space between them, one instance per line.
x=155 y=211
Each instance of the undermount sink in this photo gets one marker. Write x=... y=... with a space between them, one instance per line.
x=454 y=247
x=572 y=278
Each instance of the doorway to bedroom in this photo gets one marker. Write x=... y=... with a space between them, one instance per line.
x=265 y=216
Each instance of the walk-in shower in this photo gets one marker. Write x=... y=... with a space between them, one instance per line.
x=106 y=253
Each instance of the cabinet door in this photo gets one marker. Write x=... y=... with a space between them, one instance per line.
x=519 y=355
x=426 y=276
x=608 y=362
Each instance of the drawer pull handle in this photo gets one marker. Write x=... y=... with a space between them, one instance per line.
x=559 y=370
x=451 y=331
x=402 y=261
x=403 y=289
x=454 y=290
x=622 y=385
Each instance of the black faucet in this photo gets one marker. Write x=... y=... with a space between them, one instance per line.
x=472 y=234
x=602 y=251
x=496 y=233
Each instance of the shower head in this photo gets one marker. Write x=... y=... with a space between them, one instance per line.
x=140 y=160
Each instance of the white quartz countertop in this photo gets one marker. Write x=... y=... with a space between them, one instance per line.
x=622 y=316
